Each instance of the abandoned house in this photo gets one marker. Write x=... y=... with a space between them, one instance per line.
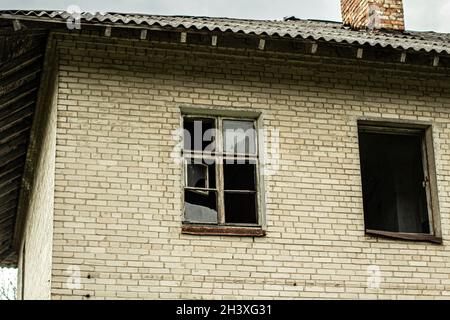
x=179 y=157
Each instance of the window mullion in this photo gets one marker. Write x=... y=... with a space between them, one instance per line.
x=219 y=173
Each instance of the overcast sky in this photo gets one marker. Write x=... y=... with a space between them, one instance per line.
x=419 y=14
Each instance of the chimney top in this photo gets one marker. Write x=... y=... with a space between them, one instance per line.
x=373 y=14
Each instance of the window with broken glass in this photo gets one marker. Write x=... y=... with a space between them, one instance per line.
x=220 y=175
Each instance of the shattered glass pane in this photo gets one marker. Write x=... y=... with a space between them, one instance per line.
x=200 y=173
x=197 y=175
x=200 y=206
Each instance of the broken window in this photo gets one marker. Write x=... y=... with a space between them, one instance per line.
x=221 y=181
x=200 y=193
x=397 y=189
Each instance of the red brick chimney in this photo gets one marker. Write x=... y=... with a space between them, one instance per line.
x=373 y=14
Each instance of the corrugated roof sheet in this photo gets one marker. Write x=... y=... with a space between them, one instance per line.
x=306 y=29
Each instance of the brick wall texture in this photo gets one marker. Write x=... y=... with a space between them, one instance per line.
x=117 y=208
x=35 y=256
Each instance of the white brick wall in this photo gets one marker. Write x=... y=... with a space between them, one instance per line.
x=117 y=191
x=35 y=256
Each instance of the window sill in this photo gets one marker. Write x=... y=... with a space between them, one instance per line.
x=223 y=231
x=405 y=236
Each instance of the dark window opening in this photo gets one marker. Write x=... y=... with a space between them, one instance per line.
x=199 y=134
x=240 y=191
x=395 y=180
x=239 y=176
x=240 y=207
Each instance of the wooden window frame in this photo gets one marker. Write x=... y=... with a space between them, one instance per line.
x=219 y=155
x=425 y=132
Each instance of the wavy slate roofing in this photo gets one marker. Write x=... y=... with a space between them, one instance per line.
x=292 y=28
